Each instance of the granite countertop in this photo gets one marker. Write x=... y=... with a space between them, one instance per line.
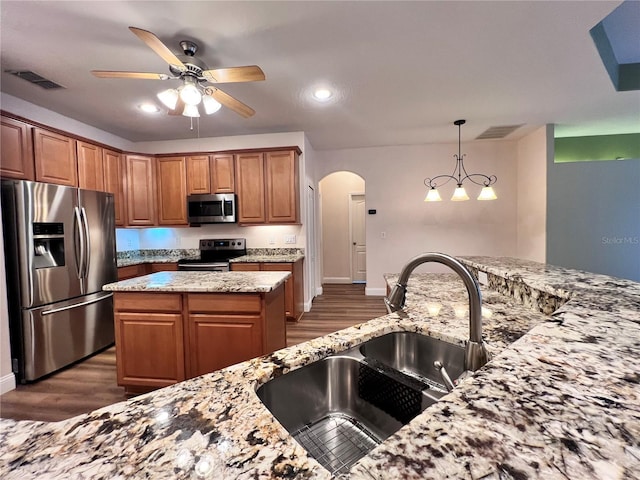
x=211 y=282
x=258 y=255
x=560 y=399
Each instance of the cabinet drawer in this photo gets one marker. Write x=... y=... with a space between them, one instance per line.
x=148 y=302
x=224 y=303
x=131 y=271
x=277 y=267
x=245 y=267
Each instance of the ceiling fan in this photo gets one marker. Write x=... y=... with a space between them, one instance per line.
x=195 y=77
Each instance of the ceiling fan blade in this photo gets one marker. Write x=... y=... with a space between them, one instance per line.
x=250 y=73
x=179 y=108
x=160 y=48
x=230 y=102
x=140 y=75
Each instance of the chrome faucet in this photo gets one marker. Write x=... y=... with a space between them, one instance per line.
x=476 y=354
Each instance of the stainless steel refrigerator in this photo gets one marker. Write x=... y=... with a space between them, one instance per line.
x=59 y=252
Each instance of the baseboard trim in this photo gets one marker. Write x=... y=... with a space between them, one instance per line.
x=319 y=291
x=336 y=280
x=307 y=306
x=7 y=383
x=380 y=292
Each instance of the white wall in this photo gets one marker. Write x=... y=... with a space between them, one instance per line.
x=394 y=187
x=335 y=216
x=17 y=106
x=532 y=195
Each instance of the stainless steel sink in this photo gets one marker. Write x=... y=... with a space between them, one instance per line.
x=341 y=407
x=415 y=355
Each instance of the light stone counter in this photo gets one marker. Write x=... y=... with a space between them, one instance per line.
x=560 y=399
x=211 y=282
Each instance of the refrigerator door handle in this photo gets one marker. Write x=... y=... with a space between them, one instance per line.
x=76 y=305
x=81 y=257
x=87 y=257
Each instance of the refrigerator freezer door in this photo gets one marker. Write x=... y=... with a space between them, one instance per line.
x=59 y=334
x=45 y=233
x=99 y=227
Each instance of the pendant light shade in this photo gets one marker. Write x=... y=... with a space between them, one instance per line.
x=169 y=98
x=211 y=105
x=191 y=111
x=433 y=196
x=460 y=194
x=487 y=193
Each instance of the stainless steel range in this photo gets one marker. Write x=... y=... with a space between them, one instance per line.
x=215 y=254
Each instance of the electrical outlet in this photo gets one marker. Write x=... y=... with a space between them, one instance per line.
x=482 y=278
x=289 y=239
x=272 y=241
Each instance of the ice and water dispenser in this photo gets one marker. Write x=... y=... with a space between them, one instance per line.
x=48 y=245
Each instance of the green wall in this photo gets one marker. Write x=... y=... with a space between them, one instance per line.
x=599 y=147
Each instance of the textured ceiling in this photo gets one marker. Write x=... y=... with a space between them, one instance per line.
x=402 y=71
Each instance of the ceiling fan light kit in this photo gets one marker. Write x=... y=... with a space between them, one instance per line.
x=194 y=75
x=459 y=175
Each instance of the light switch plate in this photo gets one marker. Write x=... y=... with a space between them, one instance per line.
x=289 y=239
x=482 y=278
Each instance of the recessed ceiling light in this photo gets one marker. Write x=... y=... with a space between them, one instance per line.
x=148 y=108
x=322 y=94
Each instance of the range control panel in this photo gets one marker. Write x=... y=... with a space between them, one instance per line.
x=222 y=244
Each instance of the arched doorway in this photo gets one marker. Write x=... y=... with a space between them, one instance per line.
x=342 y=223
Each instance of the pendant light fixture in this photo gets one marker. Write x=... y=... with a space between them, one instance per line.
x=459 y=175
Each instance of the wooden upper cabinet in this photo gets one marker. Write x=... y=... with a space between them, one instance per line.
x=250 y=186
x=16 y=154
x=55 y=158
x=222 y=174
x=90 y=169
x=282 y=187
x=198 y=175
x=140 y=190
x=172 y=191
x=114 y=182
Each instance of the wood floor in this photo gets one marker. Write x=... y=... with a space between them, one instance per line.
x=91 y=384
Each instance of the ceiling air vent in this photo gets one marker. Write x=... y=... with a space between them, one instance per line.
x=497 y=132
x=34 y=78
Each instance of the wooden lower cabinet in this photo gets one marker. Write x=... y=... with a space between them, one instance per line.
x=293 y=286
x=131 y=271
x=164 y=338
x=149 y=340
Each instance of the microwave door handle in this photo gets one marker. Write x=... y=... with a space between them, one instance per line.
x=87 y=257
x=80 y=254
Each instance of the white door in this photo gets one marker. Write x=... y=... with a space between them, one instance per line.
x=358 y=240
x=311 y=244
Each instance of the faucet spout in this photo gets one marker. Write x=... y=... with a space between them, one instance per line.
x=476 y=354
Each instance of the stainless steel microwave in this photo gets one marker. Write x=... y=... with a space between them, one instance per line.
x=216 y=208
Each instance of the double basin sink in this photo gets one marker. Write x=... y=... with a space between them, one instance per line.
x=341 y=407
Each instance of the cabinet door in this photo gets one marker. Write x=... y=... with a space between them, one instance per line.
x=149 y=348
x=172 y=191
x=281 y=172
x=55 y=158
x=222 y=174
x=114 y=182
x=250 y=185
x=289 y=283
x=140 y=190
x=217 y=341
x=90 y=169
x=198 y=175
x=16 y=154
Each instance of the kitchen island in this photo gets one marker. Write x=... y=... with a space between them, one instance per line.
x=171 y=326
x=559 y=399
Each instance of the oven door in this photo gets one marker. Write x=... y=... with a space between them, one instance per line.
x=204 y=267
